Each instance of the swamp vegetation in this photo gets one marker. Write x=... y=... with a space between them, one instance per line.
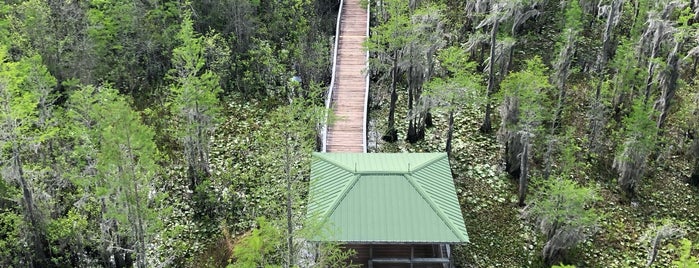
x=176 y=133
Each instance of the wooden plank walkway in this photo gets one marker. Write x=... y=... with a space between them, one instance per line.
x=349 y=93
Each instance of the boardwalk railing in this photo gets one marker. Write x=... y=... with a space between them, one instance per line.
x=329 y=97
x=366 y=83
x=331 y=88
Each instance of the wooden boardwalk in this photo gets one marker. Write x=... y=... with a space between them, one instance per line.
x=350 y=85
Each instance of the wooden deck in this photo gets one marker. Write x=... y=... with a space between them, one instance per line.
x=349 y=93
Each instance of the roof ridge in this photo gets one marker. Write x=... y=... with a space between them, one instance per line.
x=429 y=162
x=434 y=207
x=326 y=159
x=342 y=196
x=339 y=164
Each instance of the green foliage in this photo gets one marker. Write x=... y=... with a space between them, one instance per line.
x=294 y=126
x=193 y=83
x=389 y=36
x=461 y=87
x=639 y=142
x=455 y=60
x=112 y=26
x=259 y=247
x=263 y=246
x=11 y=244
x=4 y=23
x=659 y=232
x=29 y=93
x=25 y=123
x=563 y=213
x=573 y=16
x=118 y=155
x=525 y=94
x=686 y=260
x=568 y=161
x=566 y=202
x=87 y=157
x=66 y=234
x=328 y=253
x=628 y=76
x=29 y=26
x=640 y=12
x=638 y=126
x=74 y=134
x=194 y=101
x=21 y=104
x=286 y=22
x=265 y=72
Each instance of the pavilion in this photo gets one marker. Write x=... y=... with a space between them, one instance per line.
x=394 y=210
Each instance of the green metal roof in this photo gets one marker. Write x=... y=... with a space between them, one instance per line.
x=386 y=198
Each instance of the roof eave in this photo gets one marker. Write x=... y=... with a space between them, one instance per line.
x=392 y=242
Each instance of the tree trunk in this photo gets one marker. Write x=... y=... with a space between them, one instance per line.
x=694 y=178
x=693 y=70
x=614 y=8
x=37 y=240
x=636 y=13
x=391 y=134
x=513 y=151
x=559 y=108
x=561 y=77
x=421 y=123
x=651 y=65
x=197 y=153
x=524 y=170
x=289 y=224
x=105 y=251
x=551 y=251
x=119 y=253
x=412 y=125
x=669 y=86
x=486 y=127
x=428 y=120
x=138 y=229
x=598 y=119
x=128 y=258
x=192 y=175
x=654 y=250
x=547 y=157
x=481 y=54
x=649 y=81
x=450 y=132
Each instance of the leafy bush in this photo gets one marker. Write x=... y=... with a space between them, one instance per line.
x=563 y=215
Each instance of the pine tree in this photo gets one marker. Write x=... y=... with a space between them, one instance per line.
x=459 y=90
x=427 y=37
x=126 y=163
x=292 y=145
x=639 y=142
x=562 y=214
x=25 y=115
x=500 y=12
x=387 y=42
x=524 y=108
x=118 y=156
x=194 y=101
